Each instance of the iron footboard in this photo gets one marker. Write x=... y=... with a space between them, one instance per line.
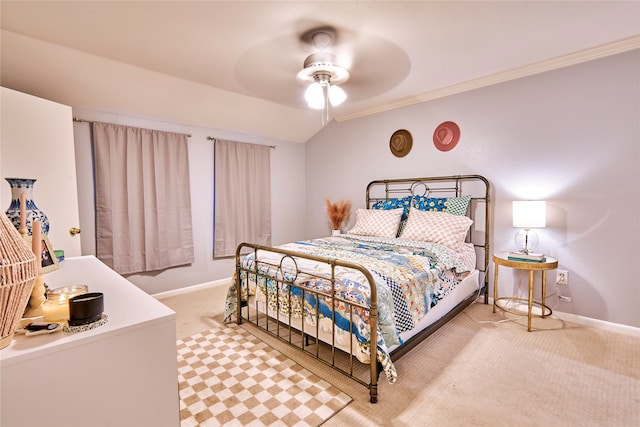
x=280 y=322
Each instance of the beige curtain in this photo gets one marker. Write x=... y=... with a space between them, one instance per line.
x=242 y=196
x=143 y=204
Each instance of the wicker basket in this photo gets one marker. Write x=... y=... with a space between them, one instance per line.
x=18 y=273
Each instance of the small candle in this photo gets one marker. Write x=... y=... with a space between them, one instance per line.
x=23 y=211
x=36 y=237
x=56 y=310
x=56 y=307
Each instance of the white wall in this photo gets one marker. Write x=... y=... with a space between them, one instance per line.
x=287 y=189
x=570 y=136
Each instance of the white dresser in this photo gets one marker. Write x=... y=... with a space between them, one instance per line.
x=123 y=373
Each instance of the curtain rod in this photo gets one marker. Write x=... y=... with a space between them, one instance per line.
x=211 y=138
x=79 y=120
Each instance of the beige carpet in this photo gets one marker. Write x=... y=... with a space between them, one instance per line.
x=484 y=369
x=229 y=377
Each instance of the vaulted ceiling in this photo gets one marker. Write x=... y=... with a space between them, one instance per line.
x=233 y=64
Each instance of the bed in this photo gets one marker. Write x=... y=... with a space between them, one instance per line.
x=417 y=255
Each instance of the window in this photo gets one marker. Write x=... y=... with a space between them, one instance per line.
x=242 y=196
x=143 y=203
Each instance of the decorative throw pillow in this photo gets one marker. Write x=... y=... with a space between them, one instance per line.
x=453 y=205
x=379 y=223
x=437 y=227
x=457 y=205
x=404 y=203
x=428 y=203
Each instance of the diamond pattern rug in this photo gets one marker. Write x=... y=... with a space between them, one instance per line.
x=229 y=377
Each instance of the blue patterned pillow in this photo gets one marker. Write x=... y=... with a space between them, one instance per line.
x=429 y=203
x=404 y=203
x=453 y=205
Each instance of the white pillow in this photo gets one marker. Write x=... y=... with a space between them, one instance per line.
x=437 y=227
x=379 y=223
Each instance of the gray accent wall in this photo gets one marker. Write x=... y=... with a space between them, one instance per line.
x=569 y=136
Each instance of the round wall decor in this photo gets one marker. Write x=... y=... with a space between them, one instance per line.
x=446 y=136
x=401 y=143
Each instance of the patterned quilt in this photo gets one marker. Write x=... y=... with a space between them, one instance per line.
x=410 y=278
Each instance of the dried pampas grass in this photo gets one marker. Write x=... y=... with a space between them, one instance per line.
x=338 y=212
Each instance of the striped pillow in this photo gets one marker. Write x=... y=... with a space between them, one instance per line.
x=379 y=223
x=437 y=227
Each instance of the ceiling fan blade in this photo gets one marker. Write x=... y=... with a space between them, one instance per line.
x=268 y=70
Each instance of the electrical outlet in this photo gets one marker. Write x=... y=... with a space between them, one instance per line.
x=564 y=298
x=562 y=277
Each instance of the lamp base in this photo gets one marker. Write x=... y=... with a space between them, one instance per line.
x=527 y=241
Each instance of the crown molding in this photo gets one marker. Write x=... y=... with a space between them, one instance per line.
x=613 y=48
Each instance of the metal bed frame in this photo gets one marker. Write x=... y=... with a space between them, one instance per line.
x=278 y=324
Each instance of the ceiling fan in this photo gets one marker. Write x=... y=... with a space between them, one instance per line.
x=281 y=69
x=321 y=68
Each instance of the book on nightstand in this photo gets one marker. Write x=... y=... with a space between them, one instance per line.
x=531 y=257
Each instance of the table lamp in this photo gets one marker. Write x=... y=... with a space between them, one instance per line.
x=528 y=214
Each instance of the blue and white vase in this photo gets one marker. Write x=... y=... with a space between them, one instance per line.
x=19 y=186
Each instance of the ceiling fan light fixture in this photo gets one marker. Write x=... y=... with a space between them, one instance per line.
x=314 y=96
x=336 y=95
x=321 y=70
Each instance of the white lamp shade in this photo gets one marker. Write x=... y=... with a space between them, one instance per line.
x=530 y=214
x=336 y=95
x=314 y=96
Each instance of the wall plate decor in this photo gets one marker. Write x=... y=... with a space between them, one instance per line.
x=401 y=143
x=446 y=136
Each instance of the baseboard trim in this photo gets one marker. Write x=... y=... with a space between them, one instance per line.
x=598 y=324
x=194 y=288
x=594 y=323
